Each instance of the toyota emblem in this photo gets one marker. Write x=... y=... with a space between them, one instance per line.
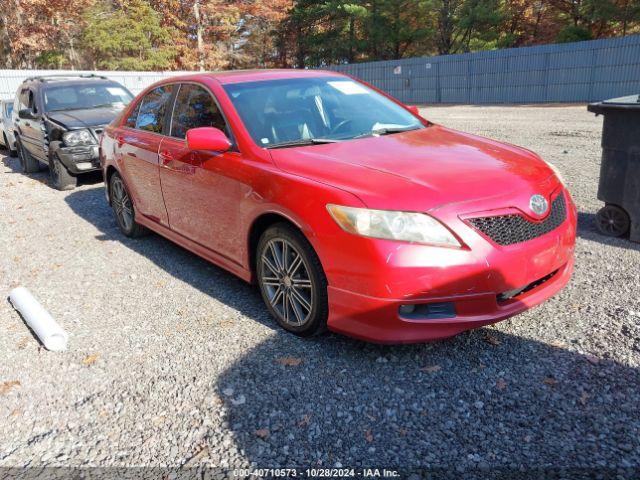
x=538 y=204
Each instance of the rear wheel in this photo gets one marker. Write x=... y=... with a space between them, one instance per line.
x=60 y=177
x=612 y=221
x=12 y=151
x=123 y=208
x=28 y=163
x=291 y=281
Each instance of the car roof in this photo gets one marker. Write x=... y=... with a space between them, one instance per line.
x=241 y=76
x=67 y=80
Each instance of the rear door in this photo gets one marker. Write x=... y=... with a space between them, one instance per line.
x=137 y=144
x=202 y=189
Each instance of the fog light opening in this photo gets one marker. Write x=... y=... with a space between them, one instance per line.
x=407 y=309
x=427 y=311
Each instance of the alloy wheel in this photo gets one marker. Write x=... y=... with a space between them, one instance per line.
x=285 y=279
x=121 y=203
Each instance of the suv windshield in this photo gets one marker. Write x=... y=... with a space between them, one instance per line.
x=301 y=111
x=85 y=96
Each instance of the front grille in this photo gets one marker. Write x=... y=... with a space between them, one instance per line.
x=514 y=228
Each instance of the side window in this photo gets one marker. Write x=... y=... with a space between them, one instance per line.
x=195 y=107
x=153 y=108
x=133 y=117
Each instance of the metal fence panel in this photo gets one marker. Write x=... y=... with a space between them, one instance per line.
x=570 y=72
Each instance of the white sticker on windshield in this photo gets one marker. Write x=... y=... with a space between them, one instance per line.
x=264 y=140
x=348 y=87
x=116 y=91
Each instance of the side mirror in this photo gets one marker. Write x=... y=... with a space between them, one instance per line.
x=27 y=114
x=207 y=138
x=413 y=109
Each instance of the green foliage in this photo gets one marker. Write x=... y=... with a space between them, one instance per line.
x=162 y=34
x=50 y=59
x=131 y=38
x=573 y=33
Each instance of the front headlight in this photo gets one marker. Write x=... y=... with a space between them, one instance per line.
x=78 y=137
x=390 y=225
x=556 y=171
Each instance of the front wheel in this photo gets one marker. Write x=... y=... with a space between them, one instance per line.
x=60 y=177
x=123 y=208
x=292 y=282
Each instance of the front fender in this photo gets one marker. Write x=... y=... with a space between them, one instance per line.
x=302 y=202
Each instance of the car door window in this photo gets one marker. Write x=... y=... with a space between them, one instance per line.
x=153 y=108
x=32 y=102
x=195 y=107
x=133 y=117
x=23 y=100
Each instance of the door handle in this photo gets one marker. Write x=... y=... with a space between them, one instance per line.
x=166 y=157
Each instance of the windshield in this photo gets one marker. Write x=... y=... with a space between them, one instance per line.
x=85 y=96
x=299 y=111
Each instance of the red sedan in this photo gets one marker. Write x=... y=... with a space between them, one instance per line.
x=349 y=210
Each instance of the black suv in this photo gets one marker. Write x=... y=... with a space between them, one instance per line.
x=59 y=121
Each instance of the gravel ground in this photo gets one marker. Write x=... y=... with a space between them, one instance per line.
x=173 y=360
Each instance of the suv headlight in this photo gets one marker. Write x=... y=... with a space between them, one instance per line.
x=74 y=138
x=390 y=225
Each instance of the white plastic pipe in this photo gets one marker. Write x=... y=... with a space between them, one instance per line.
x=51 y=334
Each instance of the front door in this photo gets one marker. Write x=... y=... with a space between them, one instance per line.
x=201 y=189
x=32 y=130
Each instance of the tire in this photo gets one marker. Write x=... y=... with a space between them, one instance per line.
x=291 y=280
x=59 y=176
x=612 y=221
x=12 y=152
x=6 y=143
x=28 y=163
x=123 y=208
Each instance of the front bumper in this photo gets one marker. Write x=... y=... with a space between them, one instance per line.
x=80 y=159
x=479 y=284
x=378 y=319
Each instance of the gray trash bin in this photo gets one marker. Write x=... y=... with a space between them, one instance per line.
x=619 y=186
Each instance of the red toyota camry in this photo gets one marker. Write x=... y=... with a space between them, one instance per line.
x=349 y=210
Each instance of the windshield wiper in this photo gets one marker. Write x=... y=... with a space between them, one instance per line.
x=304 y=141
x=386 y=131
x=66 y=109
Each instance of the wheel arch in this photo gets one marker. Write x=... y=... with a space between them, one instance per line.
x=107 y=180
x=260 y=225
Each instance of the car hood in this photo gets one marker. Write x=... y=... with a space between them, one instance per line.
x=89 y=117
x=418 y=170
